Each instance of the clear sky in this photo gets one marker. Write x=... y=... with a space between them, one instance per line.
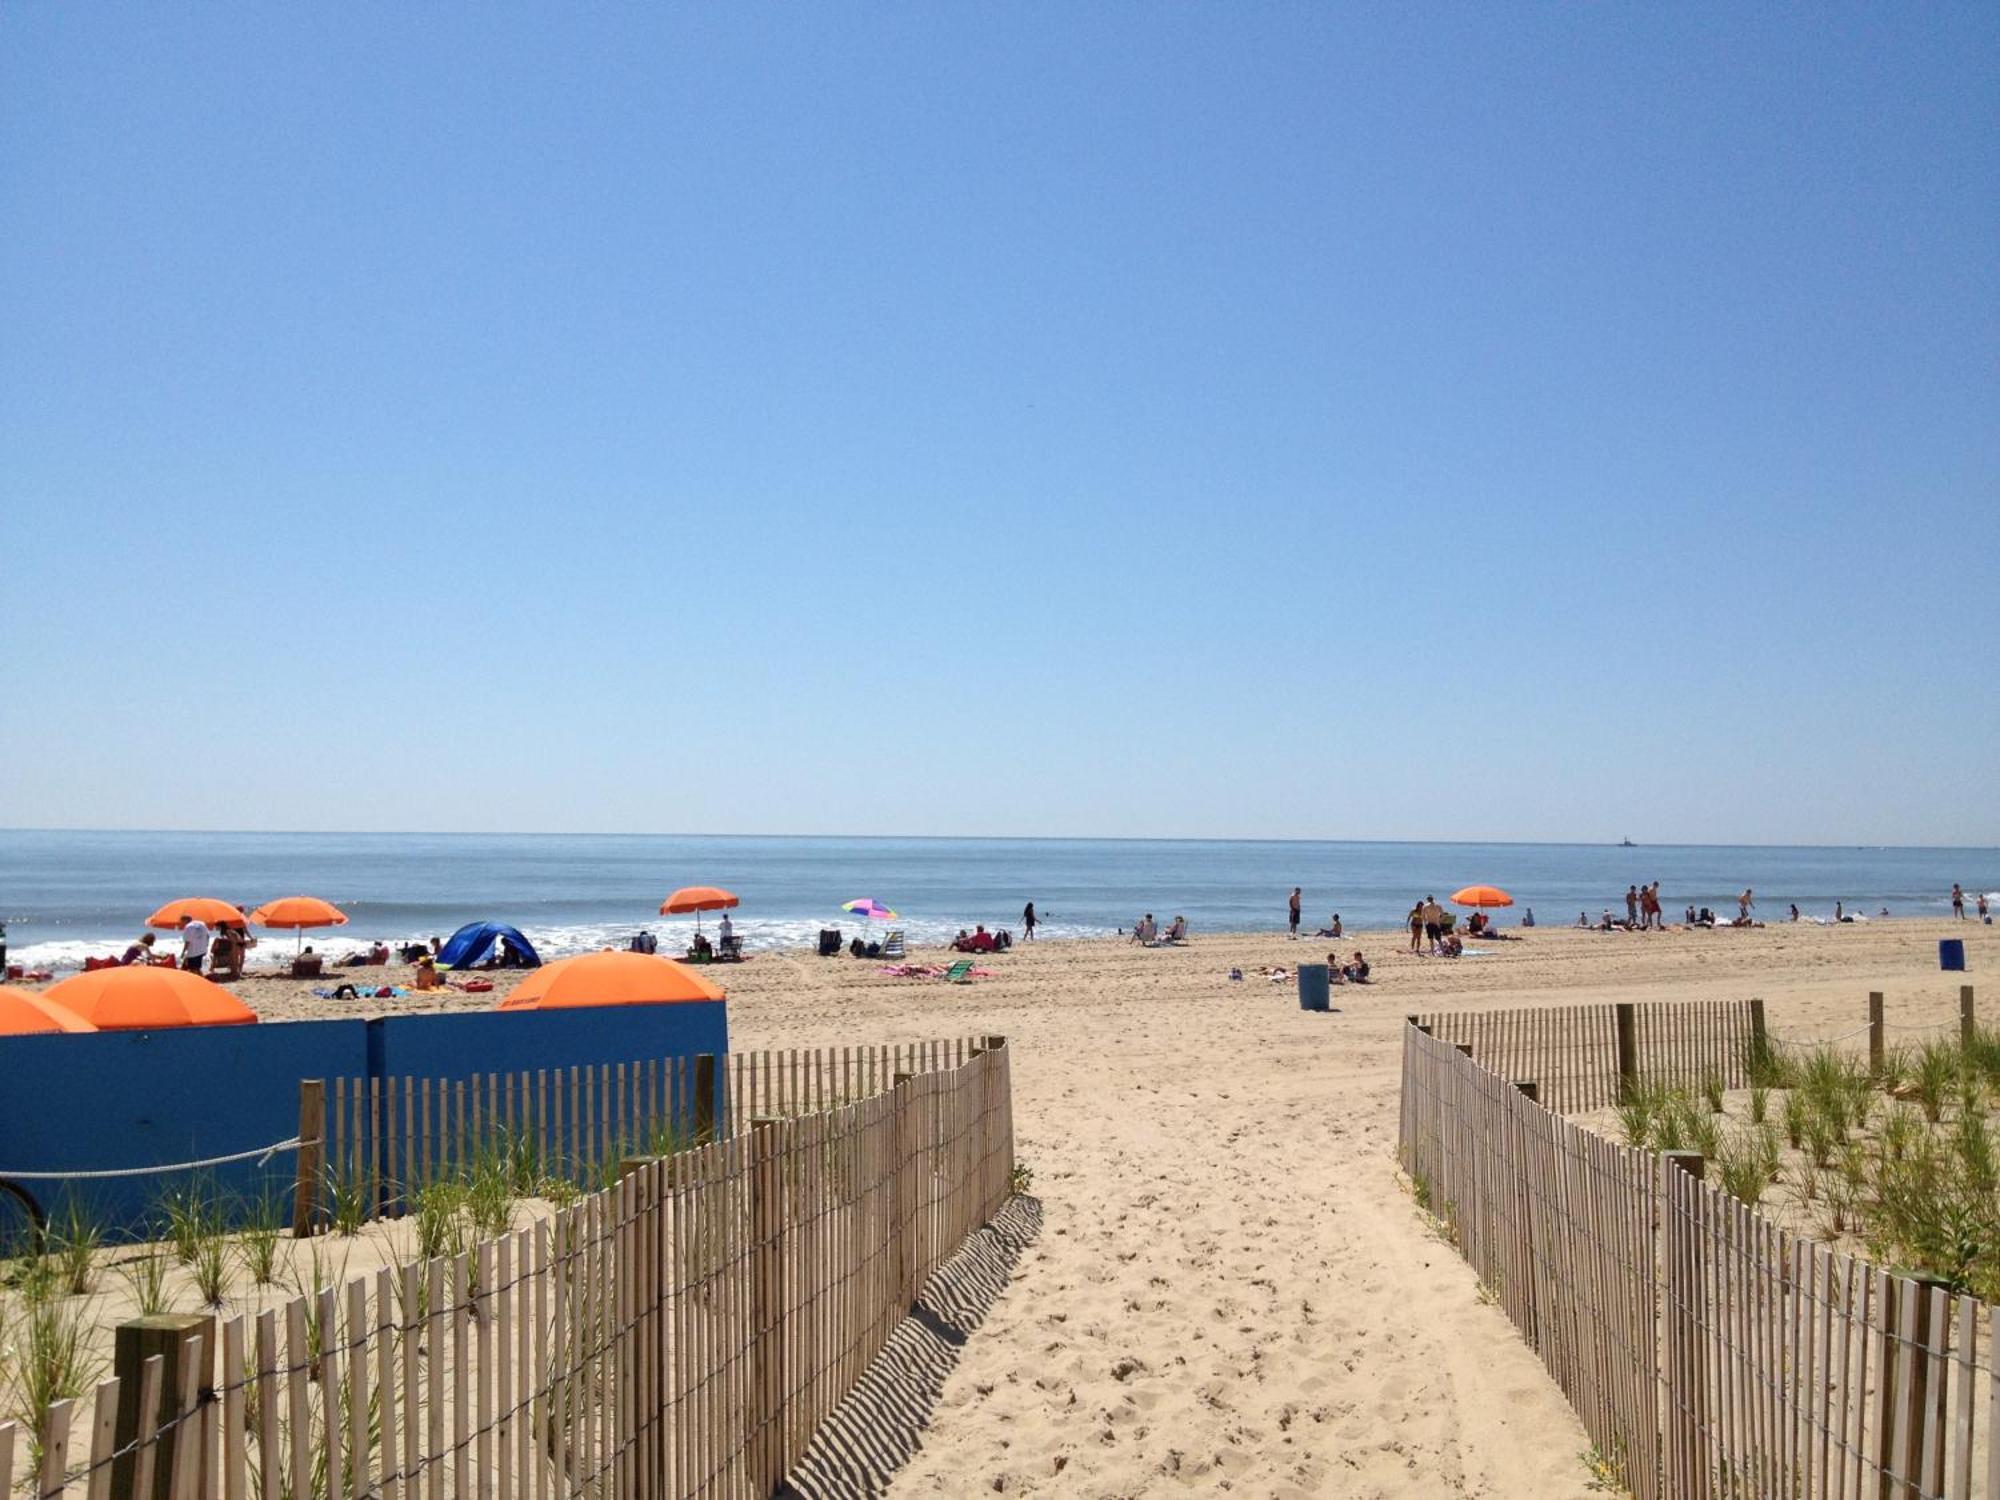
x=1259 y=420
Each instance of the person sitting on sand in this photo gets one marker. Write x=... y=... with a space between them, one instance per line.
x=1529 y=919
x=1583 y=918
x=704 y=949
x=140 y=952
x=1450 y=946
x=1177 y=930
x=1333 y=971
x=427 y=974
x=1477 y=926
x=1356 y=971
x=1147 y=932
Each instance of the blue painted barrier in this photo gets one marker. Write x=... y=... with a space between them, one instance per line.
x=1951 y=955
x=122 y=1099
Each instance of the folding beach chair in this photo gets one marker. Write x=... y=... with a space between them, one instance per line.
x=892 y=944
x=959 y=973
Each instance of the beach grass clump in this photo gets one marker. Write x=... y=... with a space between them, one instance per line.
x=1635 y=1118
x=489 y=1196
x=74 y=1237
x=349 y=1201
x=1794 y=1115
x=257 y=1245
x=53 y=1361
x=1745 y=1164
x=1705 y=1134
x=1711 y=1092
x=1934 y=1078
x=145 y=1276
x=1760 y=1103
x=440 y=1219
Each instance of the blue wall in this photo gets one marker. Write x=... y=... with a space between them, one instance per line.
x=145 y=1098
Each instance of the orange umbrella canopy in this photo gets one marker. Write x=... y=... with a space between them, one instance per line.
x=1481 y=895
x=147 y=998
x=23 y=1013
x=299 y=911
x=610 y=978
x=697 y=898
x=201 y=908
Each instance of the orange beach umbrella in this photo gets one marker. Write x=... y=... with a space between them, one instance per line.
x=24 y=1013
x=1481 y=895
x=610 y=978
x=299 y=912
x=697 y=899
x=147 y=998
x=198 y=908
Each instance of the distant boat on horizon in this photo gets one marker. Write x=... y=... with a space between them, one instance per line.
x=1627 y=844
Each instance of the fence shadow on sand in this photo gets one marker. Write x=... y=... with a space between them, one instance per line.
x=879 y=1426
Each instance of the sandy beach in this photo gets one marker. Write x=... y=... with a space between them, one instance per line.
x=1231 y=1288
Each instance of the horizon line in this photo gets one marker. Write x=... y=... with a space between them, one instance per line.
x=1028 y=838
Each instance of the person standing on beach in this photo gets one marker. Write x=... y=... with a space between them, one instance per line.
x=1744 y=902
x=1982 y=908
x=1957 y=901
x=194 y=944
x=1416 y=920
x=1631 y=906
x=1028 y=922
x=1433 y=923
x=1292 y=910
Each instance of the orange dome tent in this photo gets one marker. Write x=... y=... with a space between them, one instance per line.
x=201 y=908
x=609 y=978
x=1481 y=895
x=147 y=999
x=25 y=1013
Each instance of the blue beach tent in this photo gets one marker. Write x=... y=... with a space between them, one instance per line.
x=475 y=940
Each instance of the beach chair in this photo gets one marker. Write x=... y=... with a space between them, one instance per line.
x=959 y=973
x=892 y=943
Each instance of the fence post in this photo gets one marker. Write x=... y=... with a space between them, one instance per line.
x=1967 y=1020
x=1684 y=1307
x=1464 y=1048
x=1531 y=1088
x=312 y=1154
x=767 y=1305
x=1628 y=1053
x=133 y=1343
x=1876 y=1027
x=1760 y=1040
x=704 y=1098
x=994 y=1043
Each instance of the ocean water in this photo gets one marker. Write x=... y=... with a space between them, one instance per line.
x=64 y=895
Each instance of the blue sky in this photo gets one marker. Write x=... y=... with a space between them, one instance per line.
x=1515 y=422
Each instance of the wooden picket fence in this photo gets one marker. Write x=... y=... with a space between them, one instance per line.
x=1578 y=1054
x=385 y=1139
x=1709 y=1353
x=680 y=1333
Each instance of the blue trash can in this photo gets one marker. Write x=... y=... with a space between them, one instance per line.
x=1951 y=954
x=1314 y=993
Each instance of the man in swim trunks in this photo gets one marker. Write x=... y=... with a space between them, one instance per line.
x=1292 y=910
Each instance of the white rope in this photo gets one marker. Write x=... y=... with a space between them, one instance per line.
x=1811 y=1041
x=262 y=1154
